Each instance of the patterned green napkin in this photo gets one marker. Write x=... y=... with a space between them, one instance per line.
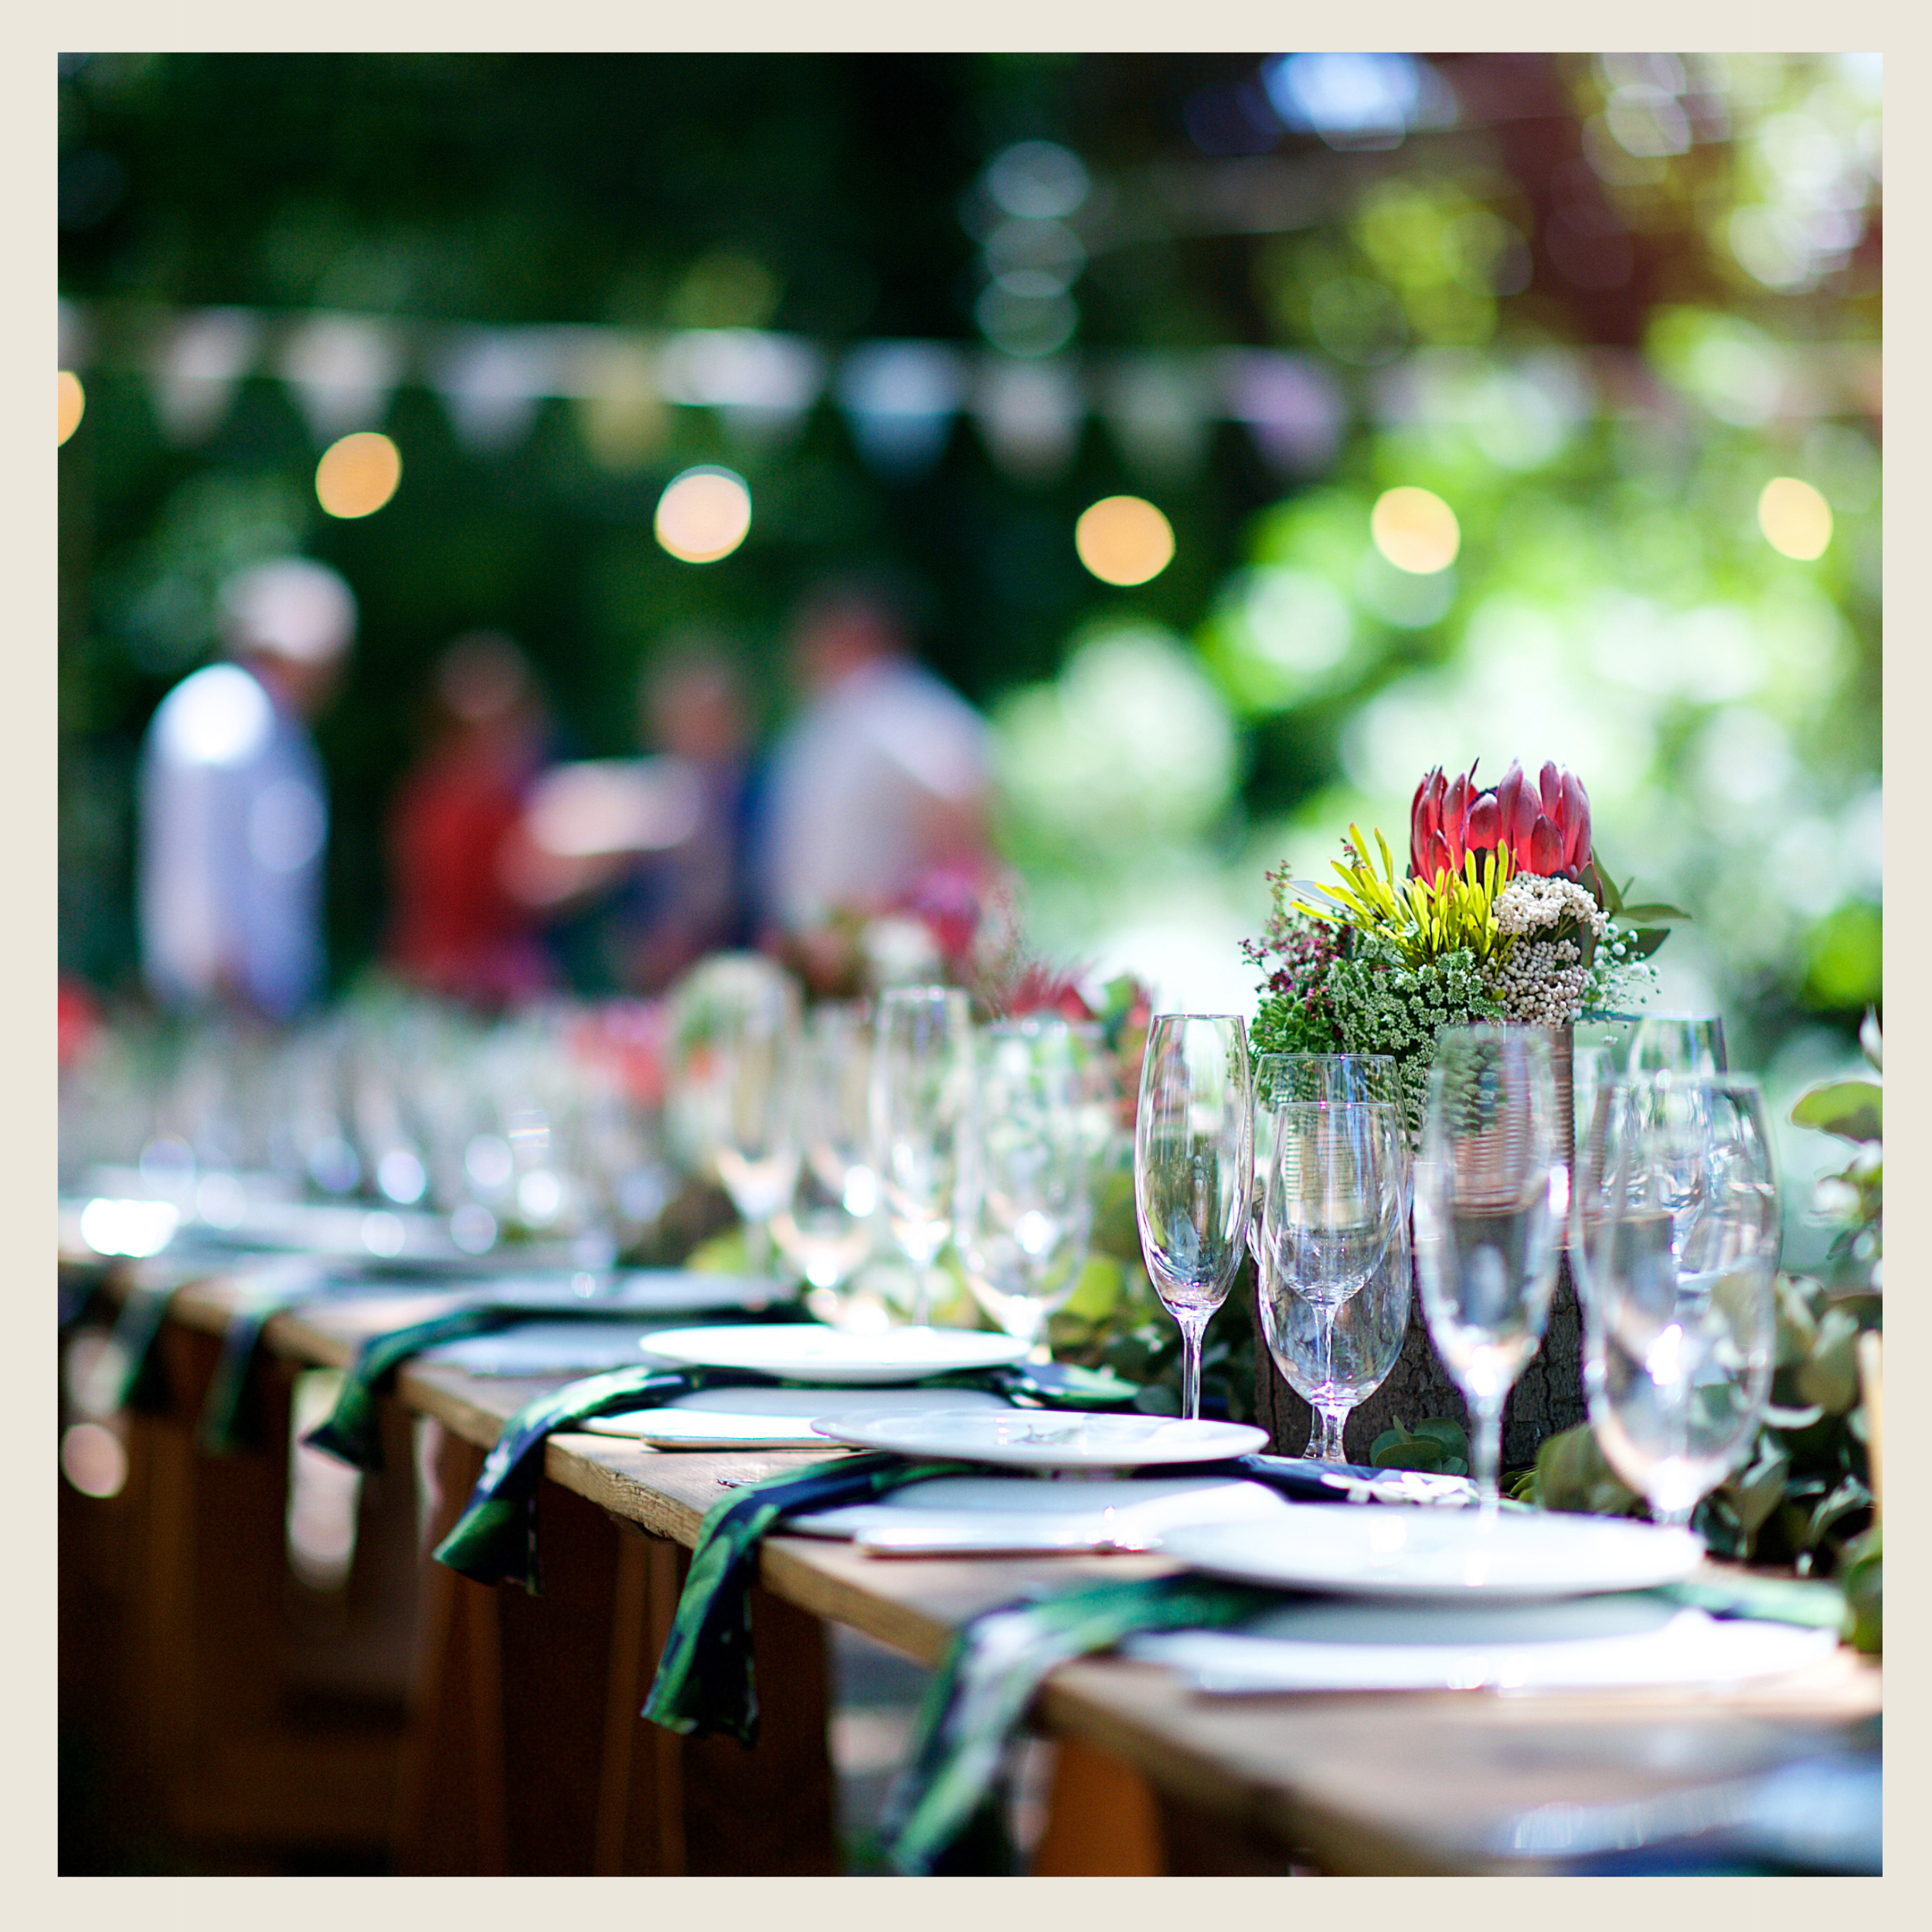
x=494 y=1539
x=704 y=1681
x=947 y=1795
x=351 y=1430
x=1812 y=1602
x=132 y=1362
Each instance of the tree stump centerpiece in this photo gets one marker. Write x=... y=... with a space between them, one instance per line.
x=1504 y=916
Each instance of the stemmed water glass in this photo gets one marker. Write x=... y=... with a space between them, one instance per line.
x=1336 y=1363
x=1025 y=1201
x=1680 y=1317
x=1337 y=1194
x=1193 y=1170
x=1336 y=1366
x=825 y=1229
x=1677 y=1043
x=921 y=1091
x=1491 y=1191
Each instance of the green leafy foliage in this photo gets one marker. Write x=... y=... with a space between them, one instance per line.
x=1383 y=1004
x=1436 y=1445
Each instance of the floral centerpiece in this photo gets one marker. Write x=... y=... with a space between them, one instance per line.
x=1504 y=914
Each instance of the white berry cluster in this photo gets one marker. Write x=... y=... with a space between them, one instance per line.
x=1530 y=902
x=1539 y=981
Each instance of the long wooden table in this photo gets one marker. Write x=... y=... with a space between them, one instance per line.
x=523 y=1750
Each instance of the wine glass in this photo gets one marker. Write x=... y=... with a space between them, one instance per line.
x=921 y=1089
x=757 y=1151
x=1491 y=1191
x=825 y=1229
x=1026 y=1203
x=1193 y=1170
x=1337 y=1192
x=1362 y=1325
x=1680 y=1320
x=1363 y=1342
x=1677 y=1043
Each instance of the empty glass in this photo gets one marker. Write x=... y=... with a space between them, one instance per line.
x=1337 y=1194
x=1681 y=1322
x=1193 y=1170
x=1335 y=1370
x=756 y=1044
x=1492 y=1190
x=922 y=1078
x=1025 y=1202
x=1677 y=1043
x=825 y=1229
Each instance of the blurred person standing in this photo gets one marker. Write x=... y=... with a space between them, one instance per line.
x=233 y=806
x=458 y=926
x=881 y=777
x=650 y=854
x=695 y=897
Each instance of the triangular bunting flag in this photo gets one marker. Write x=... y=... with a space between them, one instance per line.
x=194 y=366
x=1294 y=408
x=1030 y=413
x=343 y=369
x=900 y=399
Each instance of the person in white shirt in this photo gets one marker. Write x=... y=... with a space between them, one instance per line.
x=234 y=810
x=882 y=776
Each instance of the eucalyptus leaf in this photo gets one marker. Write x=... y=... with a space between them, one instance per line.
x=1852 y=1109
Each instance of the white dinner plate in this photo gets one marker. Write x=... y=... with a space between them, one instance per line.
x=808 y=1352
x=1351 y=1551
x=1046 y=1439
x=1586 y=1643
x=764 y=1418
x=966 y=1515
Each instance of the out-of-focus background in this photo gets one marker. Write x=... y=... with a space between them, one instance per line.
x=1621 y=313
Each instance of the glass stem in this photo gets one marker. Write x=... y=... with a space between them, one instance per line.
x=922 y=1293
x=1487 y=1449
x=1192 y=1326
x=758 y=1246
x=1332 y=1422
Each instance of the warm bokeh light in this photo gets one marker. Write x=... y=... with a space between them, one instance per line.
x=1415 y=530
x=357 y=475
x=93 y=1460
x=704 y=514
x=73 y=403
x=1124 y=539
x=1795 y=518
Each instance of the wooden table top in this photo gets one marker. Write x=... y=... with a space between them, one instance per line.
x=1390 y=1782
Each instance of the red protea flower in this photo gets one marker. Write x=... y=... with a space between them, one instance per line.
x=1545 y=826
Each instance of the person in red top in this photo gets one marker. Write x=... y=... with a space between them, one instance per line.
x=458 y=928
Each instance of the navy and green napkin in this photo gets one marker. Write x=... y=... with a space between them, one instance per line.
x=946 y=1798
x=948 y=1793
x=705 y=1681
x=494 y=1539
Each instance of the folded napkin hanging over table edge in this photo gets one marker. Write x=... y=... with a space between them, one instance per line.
x=494 y=1539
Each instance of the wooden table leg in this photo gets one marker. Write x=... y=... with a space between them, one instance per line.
x=527 y=1753
x=223 y=1721
x=1103 y=1819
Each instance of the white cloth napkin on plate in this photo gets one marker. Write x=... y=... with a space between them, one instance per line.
x=1625 y=1640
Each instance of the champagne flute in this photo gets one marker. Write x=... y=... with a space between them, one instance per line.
x=1492 y=1193
x=757 y=1150
x=1681 y=1325
x=1025 y=1204
x=825 y=1229
x=921 y=1089
x=1193 y=1170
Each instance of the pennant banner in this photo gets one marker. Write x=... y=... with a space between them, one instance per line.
x=900 y=399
